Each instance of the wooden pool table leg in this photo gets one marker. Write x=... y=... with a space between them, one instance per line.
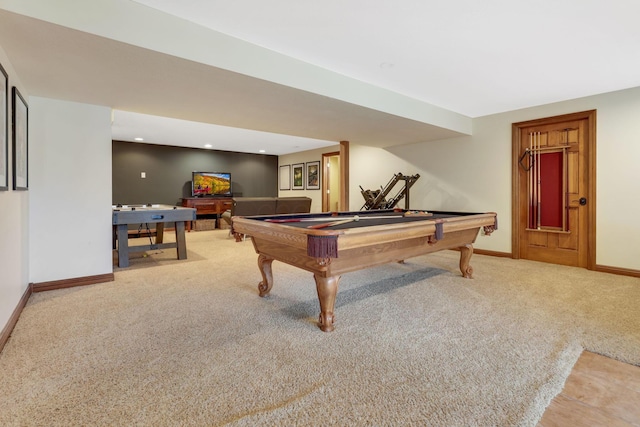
x=327 y=288
x=264 y=264
x=465 y=256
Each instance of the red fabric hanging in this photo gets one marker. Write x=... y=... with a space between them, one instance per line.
x=551 y=189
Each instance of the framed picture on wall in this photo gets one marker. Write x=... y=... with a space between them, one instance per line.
x=285 y=177
x=4 y=129
x=20 y=121
x=312 y=178
x=297 y=176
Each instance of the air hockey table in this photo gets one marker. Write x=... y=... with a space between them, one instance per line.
x=124 y=215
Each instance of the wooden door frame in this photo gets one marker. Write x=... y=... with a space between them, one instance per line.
x=590 y=144
x=344 y=175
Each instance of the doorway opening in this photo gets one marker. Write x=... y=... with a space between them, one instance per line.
x=331 y=182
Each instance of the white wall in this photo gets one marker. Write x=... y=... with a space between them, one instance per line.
x=70 y=190
x=14 y=225
x=304 y=157
x=474 y=173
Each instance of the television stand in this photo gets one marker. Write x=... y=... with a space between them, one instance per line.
x=207 y=206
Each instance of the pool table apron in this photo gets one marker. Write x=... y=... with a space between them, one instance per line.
x=353 y=256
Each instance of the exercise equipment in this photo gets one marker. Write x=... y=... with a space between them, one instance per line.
x=376 y=199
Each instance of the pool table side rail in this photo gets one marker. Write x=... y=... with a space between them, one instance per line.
x=360 y=236
x=363 y=236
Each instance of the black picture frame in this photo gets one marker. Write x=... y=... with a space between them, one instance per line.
x=4 y=129
x=285 y=177
x=20 y=125
x=312 y=176
x=297 y=176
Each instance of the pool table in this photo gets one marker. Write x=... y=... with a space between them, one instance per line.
x=330 y=244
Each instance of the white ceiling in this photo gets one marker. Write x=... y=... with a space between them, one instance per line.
x=472 y=57
x=401 y=72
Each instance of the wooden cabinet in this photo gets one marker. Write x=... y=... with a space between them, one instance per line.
x=207 y=206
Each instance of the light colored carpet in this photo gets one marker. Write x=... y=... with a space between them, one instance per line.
x=190 y=343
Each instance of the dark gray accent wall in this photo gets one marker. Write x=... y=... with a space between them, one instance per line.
x=168 y=172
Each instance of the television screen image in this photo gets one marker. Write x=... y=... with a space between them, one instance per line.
x=211 y=184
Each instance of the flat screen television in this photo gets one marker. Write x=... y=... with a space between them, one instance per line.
x=211 y=184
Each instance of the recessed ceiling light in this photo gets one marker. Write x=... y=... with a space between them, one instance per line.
x=262 y=151
x=208 y=145
x=138 y=139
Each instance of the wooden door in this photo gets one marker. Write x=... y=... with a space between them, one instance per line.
x=554 y=190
